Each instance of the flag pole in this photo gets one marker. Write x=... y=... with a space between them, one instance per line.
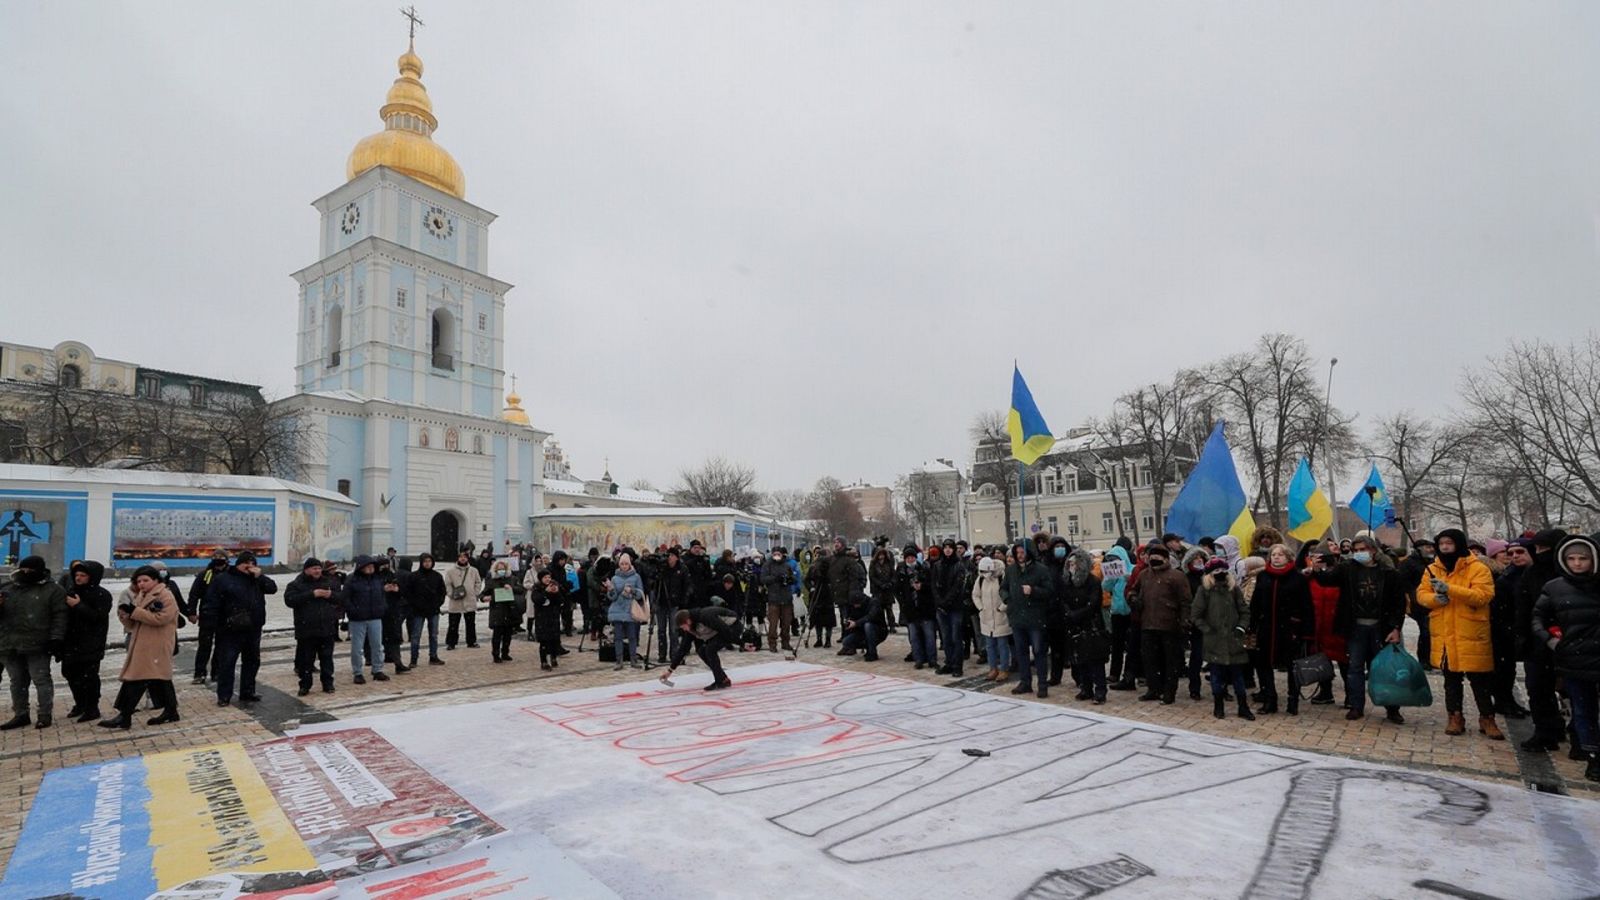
x=1022 y=492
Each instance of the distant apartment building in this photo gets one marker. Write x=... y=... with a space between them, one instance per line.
x=1085 y=491
x=873 y=502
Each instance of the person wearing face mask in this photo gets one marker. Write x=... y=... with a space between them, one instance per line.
x=1566 y=619
x=1411 y=572
x=1371 y=608
x=1221 y=614
x=1055 y=623
x=33 y=628
x=1193 y=563
x=1163 y=606
x=1124 y=637
x=1457 y=589
x=777 y=577
x=993 y=623
x=462 y=586
x=508 y=603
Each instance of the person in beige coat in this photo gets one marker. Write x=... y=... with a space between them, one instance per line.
x=462 y=585
x=993 y=623
x=150 y=616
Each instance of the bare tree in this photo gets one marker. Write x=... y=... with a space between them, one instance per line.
x=1417 y=452
x=788 y=504
x=67 y=424
x=992 y=463
x=718 y=482
x=1113 y=436
x=836 y=510
x=1273 y=402
x=1160 y=419
x=641 y=484
x=1542 y=402
x=245 y=436
x=918 y=497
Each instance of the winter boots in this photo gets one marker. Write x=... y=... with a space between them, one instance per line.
x=1244 y=710
x=1488 y=728
x=1457 y=725
x=1216 y=707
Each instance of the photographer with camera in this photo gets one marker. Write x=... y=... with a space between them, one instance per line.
x=33 y=622
x=150 y=615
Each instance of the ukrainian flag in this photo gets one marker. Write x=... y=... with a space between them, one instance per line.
x=1030 y=436
x=1211 y=502
x=1310 y=515
x=1372 y=508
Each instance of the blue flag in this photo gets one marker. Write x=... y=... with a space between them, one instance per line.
x=1375 y=508
x=1030 y=436
x=1212 y=502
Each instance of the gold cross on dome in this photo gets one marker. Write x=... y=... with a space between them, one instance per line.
x=410 y=12
x=513 y=384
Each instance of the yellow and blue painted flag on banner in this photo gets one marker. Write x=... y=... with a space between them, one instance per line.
x=1212 y=502
x=1030 y=436
x=1373 y=508
x=1310 y=514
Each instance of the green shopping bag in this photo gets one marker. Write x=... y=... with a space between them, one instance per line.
x=1397 y=679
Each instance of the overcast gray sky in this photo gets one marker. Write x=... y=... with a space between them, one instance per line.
x=812 y=236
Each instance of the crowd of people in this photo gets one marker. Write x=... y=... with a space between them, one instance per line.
x=1252 y=621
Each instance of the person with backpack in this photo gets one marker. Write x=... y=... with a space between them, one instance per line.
x=205 y=625
x=463 y=585
x=315 y=597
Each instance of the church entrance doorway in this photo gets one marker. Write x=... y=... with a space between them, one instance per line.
x=445 y=536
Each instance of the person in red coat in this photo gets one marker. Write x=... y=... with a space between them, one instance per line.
x=1325 y=607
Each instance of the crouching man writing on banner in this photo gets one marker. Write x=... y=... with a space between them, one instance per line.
x=709 y=628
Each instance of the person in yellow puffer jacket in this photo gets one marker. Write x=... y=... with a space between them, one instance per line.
x=1457 y=589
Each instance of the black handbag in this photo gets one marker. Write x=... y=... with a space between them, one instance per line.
x=1091 y=644
x=239 y=620
x=1313 y=669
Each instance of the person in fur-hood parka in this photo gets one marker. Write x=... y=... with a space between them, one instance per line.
x=1222 y=617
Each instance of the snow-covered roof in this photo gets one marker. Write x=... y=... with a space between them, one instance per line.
x=150 y=478
x=935 y=467
x=640 y=496
x=656 y=512
x=563 y=486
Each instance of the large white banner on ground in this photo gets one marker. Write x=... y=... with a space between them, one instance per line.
x=804 y=781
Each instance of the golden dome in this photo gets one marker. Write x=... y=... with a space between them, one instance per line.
x=514 y=412
x=406 y=142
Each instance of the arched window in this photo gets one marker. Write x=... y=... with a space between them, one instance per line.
x=443 y=339
x=71 y=376
x=335 y=335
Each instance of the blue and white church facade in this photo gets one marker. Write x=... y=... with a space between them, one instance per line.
x=400 y=365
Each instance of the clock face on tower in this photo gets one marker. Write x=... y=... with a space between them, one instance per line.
x=350 y=219
x=438 y=223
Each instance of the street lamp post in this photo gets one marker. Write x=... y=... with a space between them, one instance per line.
x=1327 y=400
